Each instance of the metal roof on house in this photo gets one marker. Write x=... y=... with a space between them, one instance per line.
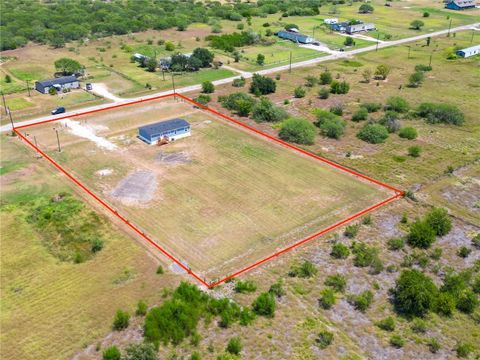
x=163 y=127
x=58 y=81
x=291 y=34
x=463 y=3
x=471 y=48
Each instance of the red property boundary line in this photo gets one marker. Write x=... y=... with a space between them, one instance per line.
x=398 y=193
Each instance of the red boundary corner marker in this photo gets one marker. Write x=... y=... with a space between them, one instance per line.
x=398 y=193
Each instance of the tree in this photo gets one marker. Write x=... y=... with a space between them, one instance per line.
x=151 y=64
x=333 y=128
x=439 y=221
x=373 y=133
x=326 y=77
x=367 y=75
x=408 y=132
x=262 y=85
x=266 y=111
x=68 y=66
x=208 y=87
x=297 y=130
x=421 y=234
x=260 y=59
x=349 y=41
x=121 y=320
x=397 y=104
x=234 y=346
x=365 y=9
x=111 y=353
x=240 y=102
x=264 y=305
x=339 y=87
x=299 y=92
x=416 y=24
x=382 y=71
x=416 y=79
x=142 y=351
x=414 y=293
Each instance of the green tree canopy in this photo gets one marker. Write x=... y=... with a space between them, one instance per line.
x=298 y=130
x=68 y=66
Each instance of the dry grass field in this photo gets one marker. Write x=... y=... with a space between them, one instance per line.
x=218 y=200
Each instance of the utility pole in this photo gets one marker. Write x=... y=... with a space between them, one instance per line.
x=11 y=120
x=58 y=140
x=449 y=27
x=173 y=86
x=290 y=66
x=430 y=62
x=4 y=103
x=378 y=40
x=28 y=88
x=473 y=33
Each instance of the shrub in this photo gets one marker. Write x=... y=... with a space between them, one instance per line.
x=360 y=114
x=333 y=128
x=476 y=285
x=387 y=324
x=436 y=253
x=305 y=270
x=323 y=93
x=195 y=356
x=239 y=82
x=339 y=87
x=414 y=151
x=464 y=251
x=397 y=341
x=365 y=9
x=262 y=85
x=408 y=132
x=121 y=320
x=445 y=304
x=311 y=81
x=246 y=317
x=326 y=78
x=382 y=71
x=397 y=104
x=208 y=87
x=424 y=68
x=277 y=289
x=327 y=298
x=421 y=234
x=414 y=293
x=467 y=302
x=244 y=287
x=352 y=230
x=234 y=346
x=299 y=92
x=159 y=270
x=395 y=244
x=260 y=59
x=111 y=353
x=364 y=255
x=337 y=109
x=349 y=41
x=419 y=326
x=324 y=339
x=239 y=102
x=426 y=14
x=416 y=24
x=339 y=251
x=463 y=349
x=415 y=79
x=373 y=133
x=264 y=305
x=433 y=345
x=141 y=308
x=362 y=301
x=142 y=351
x=297 y=130
x=371 y=107
x=337 y=282
x=476 y=241
x=323 y=116
x=439 y=221
x=169 y=46
x=266 y=111
x=203 y=99
x=440 y=113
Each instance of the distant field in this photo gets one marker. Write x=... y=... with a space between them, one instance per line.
x=231 y=198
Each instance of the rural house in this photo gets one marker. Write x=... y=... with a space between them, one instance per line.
x=64 y=82
x=460 y=4
x=349 y=28
x=470 y=51
x=295 y=37
x=169 y=130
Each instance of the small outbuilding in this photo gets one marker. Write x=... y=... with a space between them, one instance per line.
x=330 y=21
x=295 y=37
x=470 y=51
x=169 y=130
x=64 y=82
x=460 y=4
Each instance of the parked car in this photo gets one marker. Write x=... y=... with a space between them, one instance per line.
x=58 y=110
x=88 y=86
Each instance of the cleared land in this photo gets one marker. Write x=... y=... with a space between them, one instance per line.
x=231 y=199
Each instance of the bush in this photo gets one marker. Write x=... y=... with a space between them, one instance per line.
x=433 y=345
x=416 y=24
x=141 y=308
x=262 y=85
x=142 y=351
x=440 y=113
x=306 y=270
x=421 y=234
x=195 y=356
x=337 y=282
x=362 y=301
x=264 y=305
x=339 y=251
x=360 y=114
x=159 y=270
x=390 y=121
x=333 y=128
x=416 y=79
x=208 y=87
x=311 y=81
x=327 y=298
x=324 y=339
x=203 y=99
x=364 y=255
x=439 y=221
x=464 y=251
x=339 y=87
x=424 y=68
x=260 y=59
x=239 y=102
x=414 y=293
x=349 y=41
x=111 y=353
x=445 y=304
x=414 y=151
x=387 y=324
x=326 y=78
x=299 y=92
x=234 y=346
x=397 y=104
x=277 y=289
x=408 y=132
x=352 y=230
x=373 y=133
x=476 y=241
x=239 y=82
x=382 y=71
x=419 y=326
x=297 y=130
x=397 y=341
x=395 y=244
x=323 y=93
x=244 y=287
x=371 y=107
x=463 y=349
x=323 y=116
x=266 y=111
x=365 y=9
x=337 y=109
x=467 y=302
x=121 y=320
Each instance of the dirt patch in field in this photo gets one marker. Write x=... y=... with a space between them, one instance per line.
x=137 y=188
x=465 y=194
x=176 y=158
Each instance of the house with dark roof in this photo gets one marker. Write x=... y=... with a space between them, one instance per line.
x=295 y=37
x=169 y=130
x=460 y=4
x=64 y=82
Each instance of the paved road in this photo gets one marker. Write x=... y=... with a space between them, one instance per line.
x=300 y=64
